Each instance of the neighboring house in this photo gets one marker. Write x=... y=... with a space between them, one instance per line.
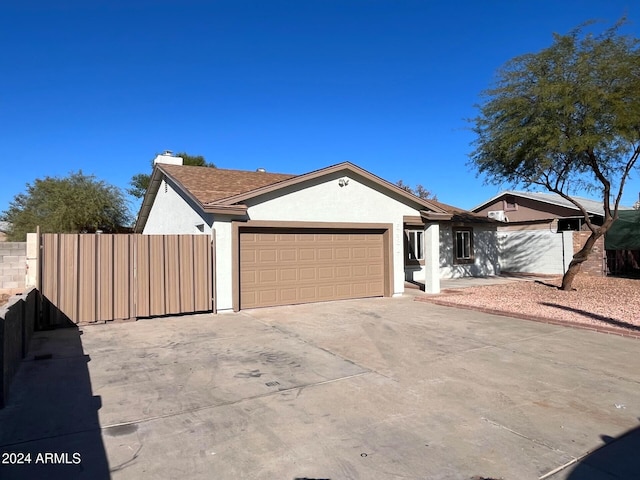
x=339 y=232
x=541 y=231
x=542 y=208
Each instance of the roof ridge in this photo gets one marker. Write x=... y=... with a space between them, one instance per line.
x=228 y=169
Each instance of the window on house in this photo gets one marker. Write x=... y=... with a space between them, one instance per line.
x=415 y=244
x=463 y=245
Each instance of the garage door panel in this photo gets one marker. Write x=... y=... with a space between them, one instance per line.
x=308 y=273
x=268 y=276
x=250 y=299
x=344 y=290
x=268 y=256
x=343 y=272
x=249 y=278
x=375 y=270
x=289 y=295
x=326 y=273
x=307 y=254
x=359 y=253
x=325 y=254
x=288 y=275
x=288 y=267
x=326 y=292
x=308 y=294
x=288 y=255
x=287 y=237
x=359 y=271
x=249 y=256
x=267 y=296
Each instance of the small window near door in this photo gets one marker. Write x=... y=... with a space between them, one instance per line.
x=463 y=246
x=415 y=245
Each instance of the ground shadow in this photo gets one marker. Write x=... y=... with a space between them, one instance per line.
x=595 y=316
x=546 y=284
x=50 y=425
x=416 y=284
x=617 y=458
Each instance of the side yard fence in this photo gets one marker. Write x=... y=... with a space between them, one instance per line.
x=101 y=277
x=548 y=253
x=89 y=278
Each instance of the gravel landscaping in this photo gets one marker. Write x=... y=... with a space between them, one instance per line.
x=604 y=303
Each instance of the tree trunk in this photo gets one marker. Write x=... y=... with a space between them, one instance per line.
x=580 y=257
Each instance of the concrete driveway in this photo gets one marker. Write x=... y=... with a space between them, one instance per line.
x=384 y=388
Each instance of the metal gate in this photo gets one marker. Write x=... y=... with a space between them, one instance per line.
x=101 y=277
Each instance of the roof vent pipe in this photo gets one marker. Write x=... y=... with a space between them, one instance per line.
x=261 y=170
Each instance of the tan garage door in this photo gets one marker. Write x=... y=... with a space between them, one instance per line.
x=284 y=267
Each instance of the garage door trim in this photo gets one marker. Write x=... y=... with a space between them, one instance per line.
x=237 y=227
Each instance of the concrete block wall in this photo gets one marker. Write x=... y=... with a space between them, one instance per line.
x=13 y=266
x=535 y=251
x=17 y=323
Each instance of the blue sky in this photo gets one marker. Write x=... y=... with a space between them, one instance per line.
x=291 y=86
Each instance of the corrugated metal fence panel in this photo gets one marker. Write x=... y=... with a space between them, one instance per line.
x=49 y=279
x=187 y=287
x=172 y=262
x=141 y=272
x=202 y=269
x=102 y=277
x=88 y=285
x=156 y=275
x=105 y=268
x=122 y=304
x=68 y=276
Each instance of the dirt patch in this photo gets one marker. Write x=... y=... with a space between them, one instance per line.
x=605 y=303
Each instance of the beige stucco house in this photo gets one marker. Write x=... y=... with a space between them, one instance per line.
x=335 y=233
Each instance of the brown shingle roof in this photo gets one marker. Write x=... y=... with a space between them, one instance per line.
x=460 y=215
x=209 y=185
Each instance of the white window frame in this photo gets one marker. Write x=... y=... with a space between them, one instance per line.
x=415 y=244
x=463 y=238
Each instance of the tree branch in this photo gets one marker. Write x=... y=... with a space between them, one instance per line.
x=625 y=175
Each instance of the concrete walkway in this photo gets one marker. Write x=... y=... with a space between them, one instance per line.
x=383 y=388
x=412 y=288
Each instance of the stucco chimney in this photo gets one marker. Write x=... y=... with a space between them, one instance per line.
x=167 y=157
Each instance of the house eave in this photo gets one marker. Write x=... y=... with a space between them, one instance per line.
x=148 y=200
x=226 y=209
x=435 y=216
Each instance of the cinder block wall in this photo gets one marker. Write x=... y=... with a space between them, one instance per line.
x=597 y=261
x=13 y=266
x=17 y=323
